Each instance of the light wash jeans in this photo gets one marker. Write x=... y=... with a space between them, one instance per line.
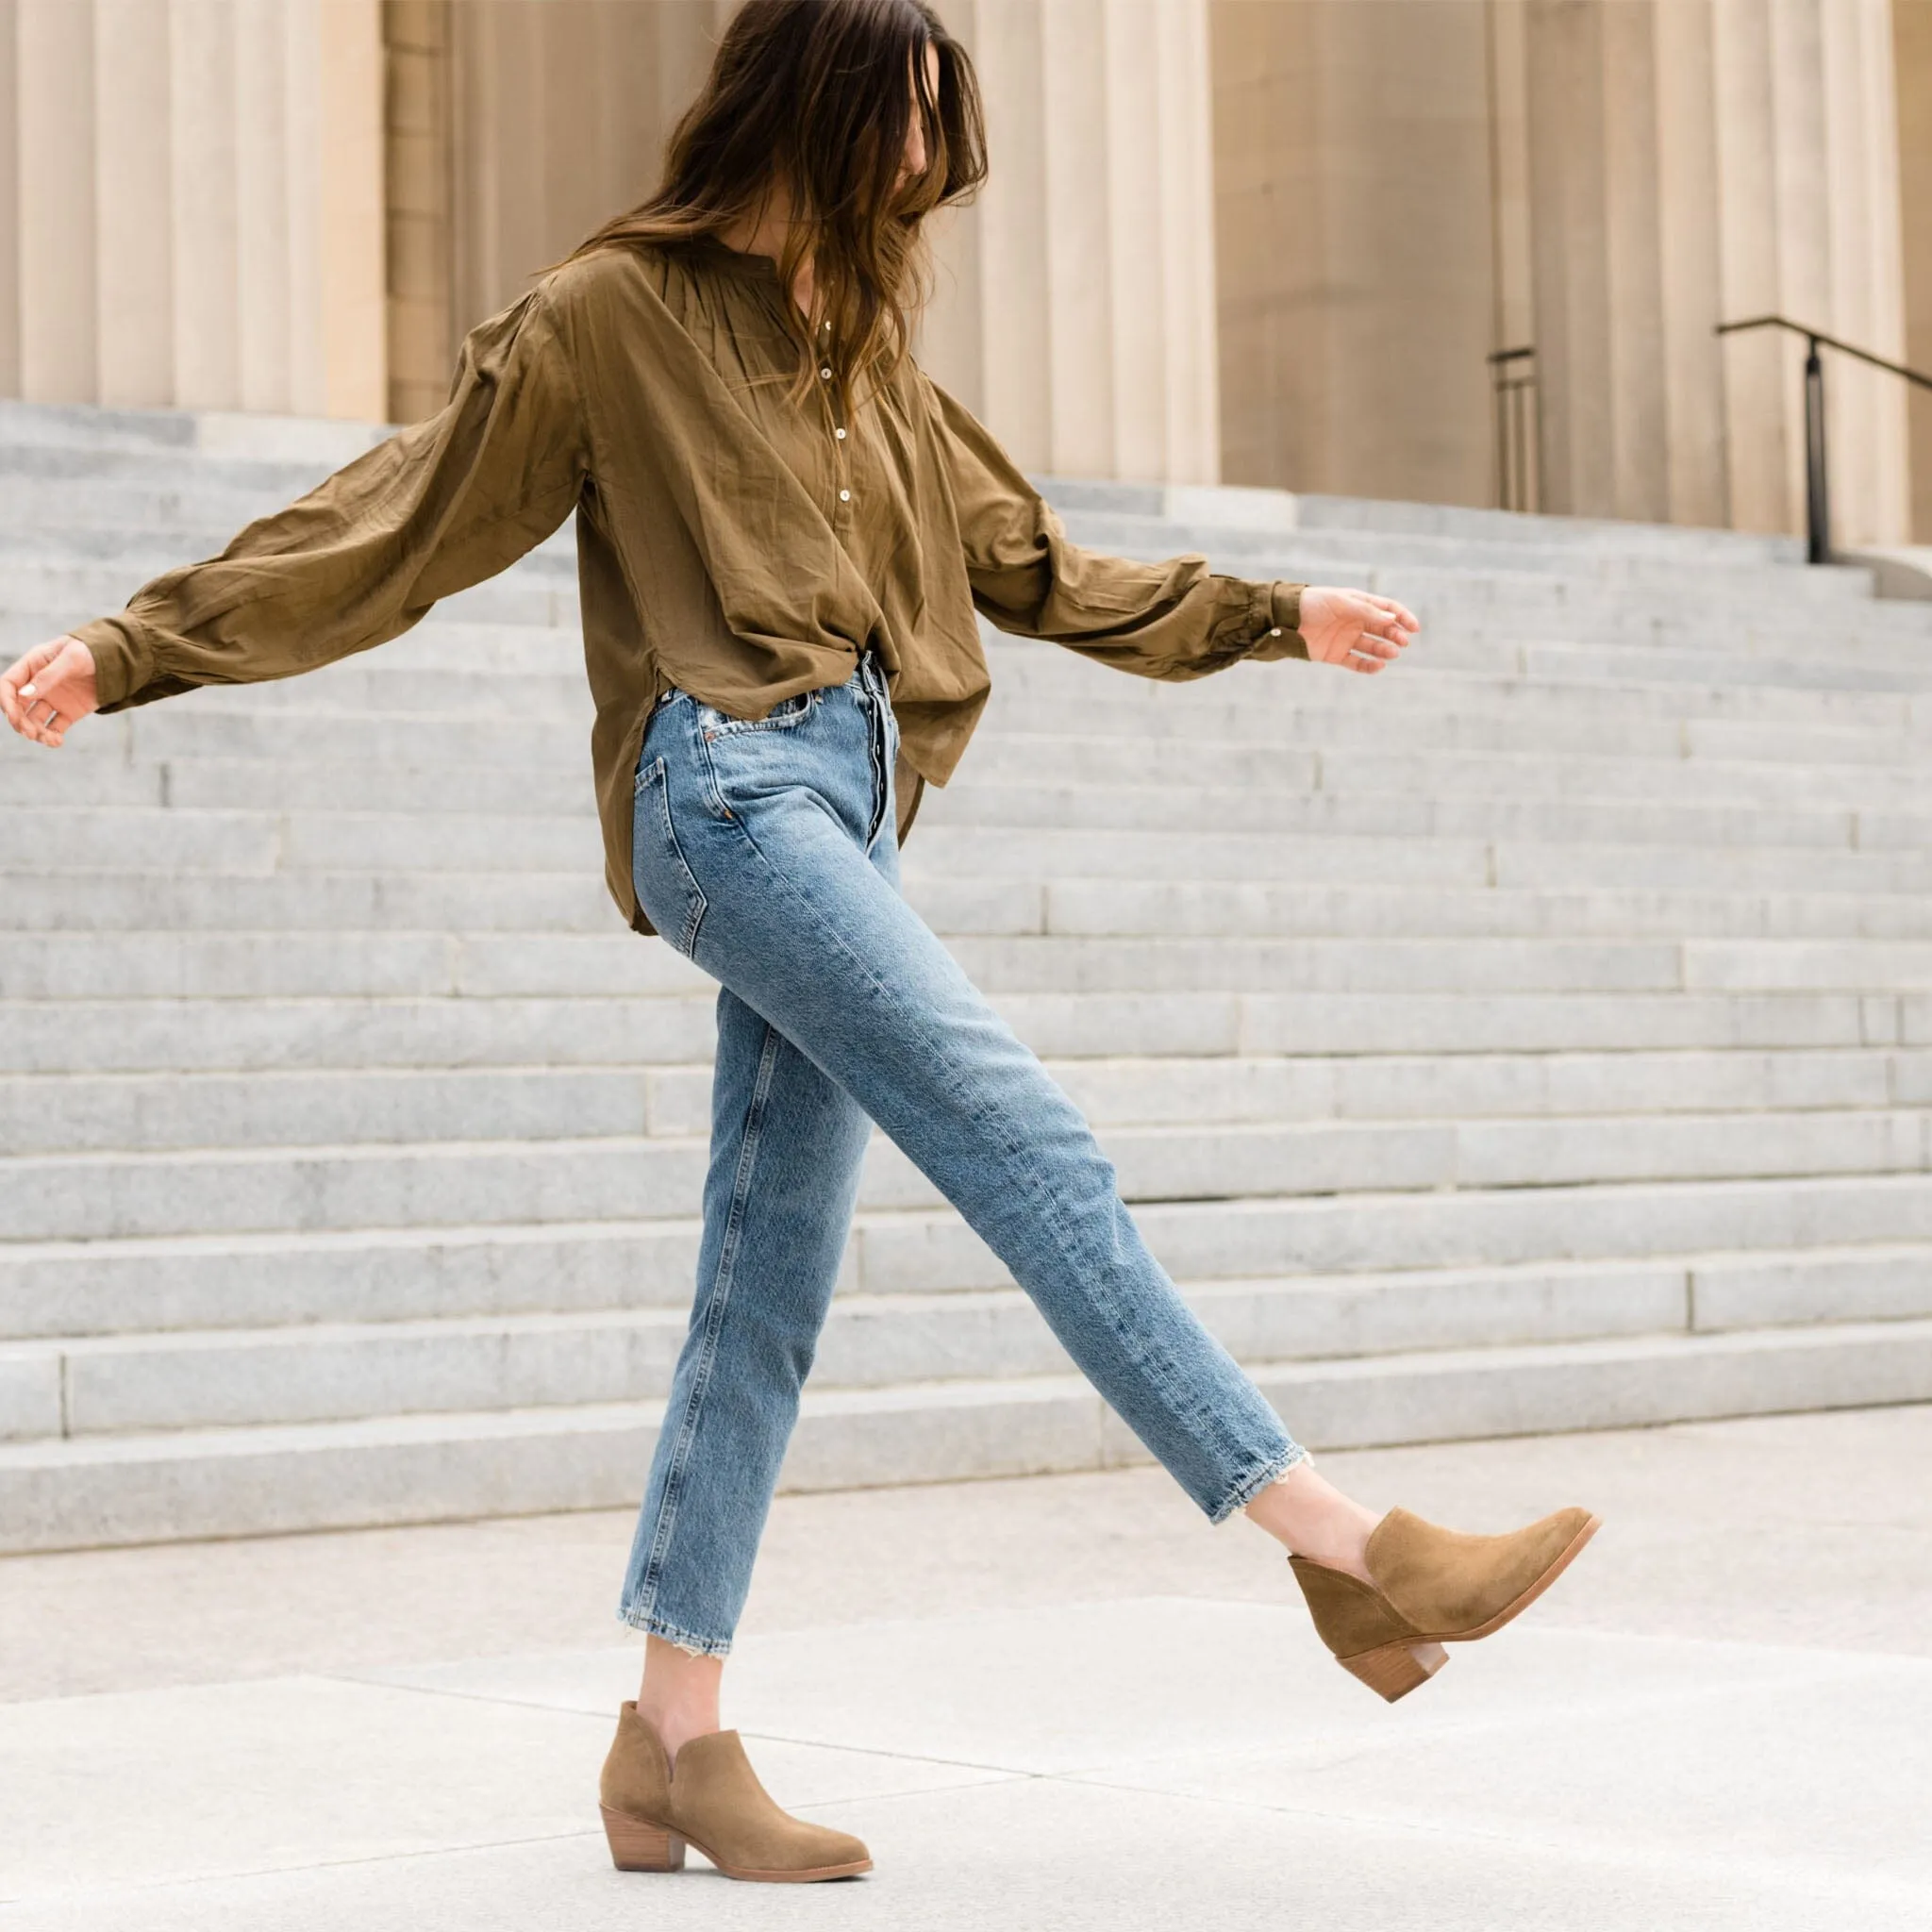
x=766 y=852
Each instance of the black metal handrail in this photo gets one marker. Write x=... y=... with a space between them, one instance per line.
x=1816 y=501
x=1516 y=399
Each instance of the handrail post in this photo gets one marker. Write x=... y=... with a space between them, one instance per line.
x=1513 y=396
x=1816 y=501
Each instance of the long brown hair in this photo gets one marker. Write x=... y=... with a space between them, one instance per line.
x=819 y=95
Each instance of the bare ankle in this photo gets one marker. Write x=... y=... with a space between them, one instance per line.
x=678 y=1698
x=1309 y=1517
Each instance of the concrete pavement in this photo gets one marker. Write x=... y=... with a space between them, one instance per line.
x=1058 y=1702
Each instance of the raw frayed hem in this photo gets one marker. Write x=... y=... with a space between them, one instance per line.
x=685 y=1640
x=1269 y=1473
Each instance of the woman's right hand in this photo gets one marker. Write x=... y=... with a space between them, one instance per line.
x=1355 y=629
x=50 y=689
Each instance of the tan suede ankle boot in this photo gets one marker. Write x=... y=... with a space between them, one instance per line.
x=715 y=1800
x=1433 y=1586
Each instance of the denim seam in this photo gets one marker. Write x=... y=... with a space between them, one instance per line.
x=1025 y=1171
x=715 y=1304
x=697 y=904
x=654 y=1625
x=713 y=791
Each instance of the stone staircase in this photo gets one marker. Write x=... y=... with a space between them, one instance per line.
x=1538 y=1037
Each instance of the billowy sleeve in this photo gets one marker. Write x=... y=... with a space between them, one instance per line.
x=1174 y=620
x=436 y=508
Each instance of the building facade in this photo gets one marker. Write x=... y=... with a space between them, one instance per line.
x=1266 y=242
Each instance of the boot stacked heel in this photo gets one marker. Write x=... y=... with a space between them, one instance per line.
x=1394 y=1673
x=636 y=1847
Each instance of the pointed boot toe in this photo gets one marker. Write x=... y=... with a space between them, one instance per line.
x=1433 y=1586
x=723 y=1810
x=712 y=1800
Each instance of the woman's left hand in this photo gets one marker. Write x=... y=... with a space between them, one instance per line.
x=1353 y=627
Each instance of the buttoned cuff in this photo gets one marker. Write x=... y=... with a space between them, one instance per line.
x=1282 y=637
x=123 y=653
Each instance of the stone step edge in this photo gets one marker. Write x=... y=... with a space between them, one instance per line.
x=988 y=786
x=451 y=1467
x=1716 y=795
x=1446 y=682
x=147 y=549
x=700 y=1061
x=138 y=938
x=1301 y=1126
x=1695 y=1266
x=991 y=786
x=675 y=1315
x=1538 y=776
x=1120 y=1131
x=268 y=1242
x=1197 y=1119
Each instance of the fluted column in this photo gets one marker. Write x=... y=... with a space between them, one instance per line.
x=1699 y=160
x=1625 y=246
x=1077 y=303
x=192 y=210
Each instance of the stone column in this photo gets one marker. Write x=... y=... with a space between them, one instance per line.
x=191 y=207
x=1624 y=212
x=1077 y=305
x=1698 y=160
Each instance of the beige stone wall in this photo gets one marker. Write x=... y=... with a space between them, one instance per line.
x=190 y=204
x=1356 y=233
x=1912 y=49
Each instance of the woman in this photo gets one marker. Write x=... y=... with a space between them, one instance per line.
x=784 y=528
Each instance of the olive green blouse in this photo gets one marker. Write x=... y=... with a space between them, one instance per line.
x=730 y=541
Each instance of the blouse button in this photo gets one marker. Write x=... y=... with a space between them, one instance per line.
x=1276 y=632
x=825 y=376
x=844 y=496
x=840 y=434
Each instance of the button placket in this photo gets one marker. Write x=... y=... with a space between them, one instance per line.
x=839 y=437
